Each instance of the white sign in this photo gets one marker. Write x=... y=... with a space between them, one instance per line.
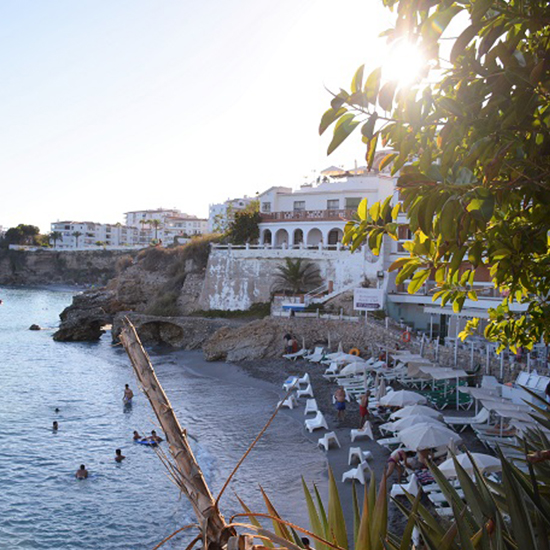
x=368 y=299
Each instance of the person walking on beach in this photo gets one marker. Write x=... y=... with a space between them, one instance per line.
x=128 y=394
x=81 y=473
x=119 y=457
x=340 y=403
x=364 y=408
x=288 y=343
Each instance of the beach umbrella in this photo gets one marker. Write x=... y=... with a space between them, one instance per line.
x=402 y=398
x=485 y=463
x=381 y=390
x=340 y=347
x=411 y=420
x=427 y=436
x=416 y=409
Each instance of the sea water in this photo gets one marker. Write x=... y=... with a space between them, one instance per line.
x=133 y=504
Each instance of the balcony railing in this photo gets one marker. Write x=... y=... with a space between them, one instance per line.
x=309 y=215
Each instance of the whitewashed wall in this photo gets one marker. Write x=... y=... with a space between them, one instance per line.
x=236 y=278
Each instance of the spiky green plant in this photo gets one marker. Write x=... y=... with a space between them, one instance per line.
x=296 y=276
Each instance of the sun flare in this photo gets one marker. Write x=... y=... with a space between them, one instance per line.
x=403 y=63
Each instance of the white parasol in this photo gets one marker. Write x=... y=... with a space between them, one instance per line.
x=416 y=409
x=485 y=463
x=408 y=421
x=427 y=436
x=402 y=398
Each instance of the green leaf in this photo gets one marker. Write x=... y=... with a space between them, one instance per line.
x=372 y=85
x=451 y=105
x=253 y=519
x=419 y=278
x=385 y=98
x=399 y=263
x=463 y=40
x=344 y=127
x=371 y=150
x=329 y=117
x=388 y=159
x=367 y=130
x=314 y=520
x=363 y=210
x=336 y=520
x=357 y=82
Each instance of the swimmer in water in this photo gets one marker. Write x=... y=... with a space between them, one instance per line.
x=137 y=437
x=119 y=457
x=81 y=473
x=154 y=437
x=56 y=410
x=128 y=394
x=55 y=426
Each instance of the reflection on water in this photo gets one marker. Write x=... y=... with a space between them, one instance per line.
x=133 y=504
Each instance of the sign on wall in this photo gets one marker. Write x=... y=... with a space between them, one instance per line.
x=368 y=299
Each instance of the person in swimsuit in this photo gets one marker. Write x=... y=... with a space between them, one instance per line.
x=119 y=457
x=128 y=394
x=81 y=473
x=137 y=437
x=154 y=437
x=340 y=403
x=364 y=408
x=398 y=459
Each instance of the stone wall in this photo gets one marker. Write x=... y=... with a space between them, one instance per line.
x=236 y=278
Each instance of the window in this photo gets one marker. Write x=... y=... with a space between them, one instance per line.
x=266 y=207
x=352 y=202
x=333 y=204
x=299 y=206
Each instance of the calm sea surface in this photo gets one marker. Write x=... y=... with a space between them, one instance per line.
x=132 y=505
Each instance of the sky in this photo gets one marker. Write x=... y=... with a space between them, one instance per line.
x=110 y=106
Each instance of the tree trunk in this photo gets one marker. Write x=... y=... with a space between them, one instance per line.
x=212 y=524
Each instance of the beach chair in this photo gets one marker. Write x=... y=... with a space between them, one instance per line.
x=311 y=407
x=316 y=423
x=290 y=402
x=389 y=442
x=317 y=355
x=357 y=473
x=304 y=379
x=307 y=392
x=293 y=356
x=356 y=453
x=332 y=370
x=482 y=417
x=365 y=431
x=291 y=381
x=327 y=439
x=400 y=489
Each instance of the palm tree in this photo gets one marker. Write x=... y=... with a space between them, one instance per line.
x=156 y=224
x=56 y=236
x=76 y=235
x=296 y=277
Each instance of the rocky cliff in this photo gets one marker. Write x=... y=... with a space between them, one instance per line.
x=86 y=267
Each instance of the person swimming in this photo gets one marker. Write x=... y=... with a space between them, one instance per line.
x=55 y=426
x=137 y=437
x=119 y=457
x=81 y=473
x=154 y=437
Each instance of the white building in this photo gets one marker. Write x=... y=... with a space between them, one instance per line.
x=139 y=218
x=221 y=215
x=316 y=213
x=90 y=235
x=181 y=227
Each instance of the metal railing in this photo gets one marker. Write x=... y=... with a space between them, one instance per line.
x=315 y=215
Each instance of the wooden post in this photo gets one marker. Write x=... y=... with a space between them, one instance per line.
x=191 y=480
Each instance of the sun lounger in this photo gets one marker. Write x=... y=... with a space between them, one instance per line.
x=317 y=355
x=316 y=423
x=365 y=431
x=311 y=407
x=304 y=379
x=291 y=381
x=357 y=473
x=327 y=439
x=482 y=417
x=398 y=489
x=293 y=356
x=307 y=392
x=290 y=402
x=389 y=442
x=359 y=454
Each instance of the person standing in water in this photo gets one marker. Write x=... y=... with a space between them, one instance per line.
x=55 y=426
x=81 y=473
x=128 y=394
x=119 y=457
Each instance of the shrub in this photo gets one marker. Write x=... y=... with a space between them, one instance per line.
x=123 y=263
x=164 y=305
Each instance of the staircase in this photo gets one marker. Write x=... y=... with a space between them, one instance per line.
x=317 y=295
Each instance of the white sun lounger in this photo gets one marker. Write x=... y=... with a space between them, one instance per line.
x=327 y=439
x=398 y=489
x=311 y=407
x=316 y=356
x=482 y=417
x=365 y=431
x=290 y=402
x=307 y=392
x=357 y=473
x=356 y=453
x=304 y=379
x=317 y=422
x=296 y=355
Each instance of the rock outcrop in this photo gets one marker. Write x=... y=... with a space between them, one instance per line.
x=180 y=332
x=86 y=318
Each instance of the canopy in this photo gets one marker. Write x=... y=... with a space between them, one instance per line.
x=484 y=463
x=427 y=436
x=416 y=409
x=440 y=373
x=409 y=421
x=402 y=398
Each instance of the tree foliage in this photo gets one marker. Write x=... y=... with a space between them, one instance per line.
x=244 y=228
x=22 y=234
x=296 y=276
x=470 y=143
